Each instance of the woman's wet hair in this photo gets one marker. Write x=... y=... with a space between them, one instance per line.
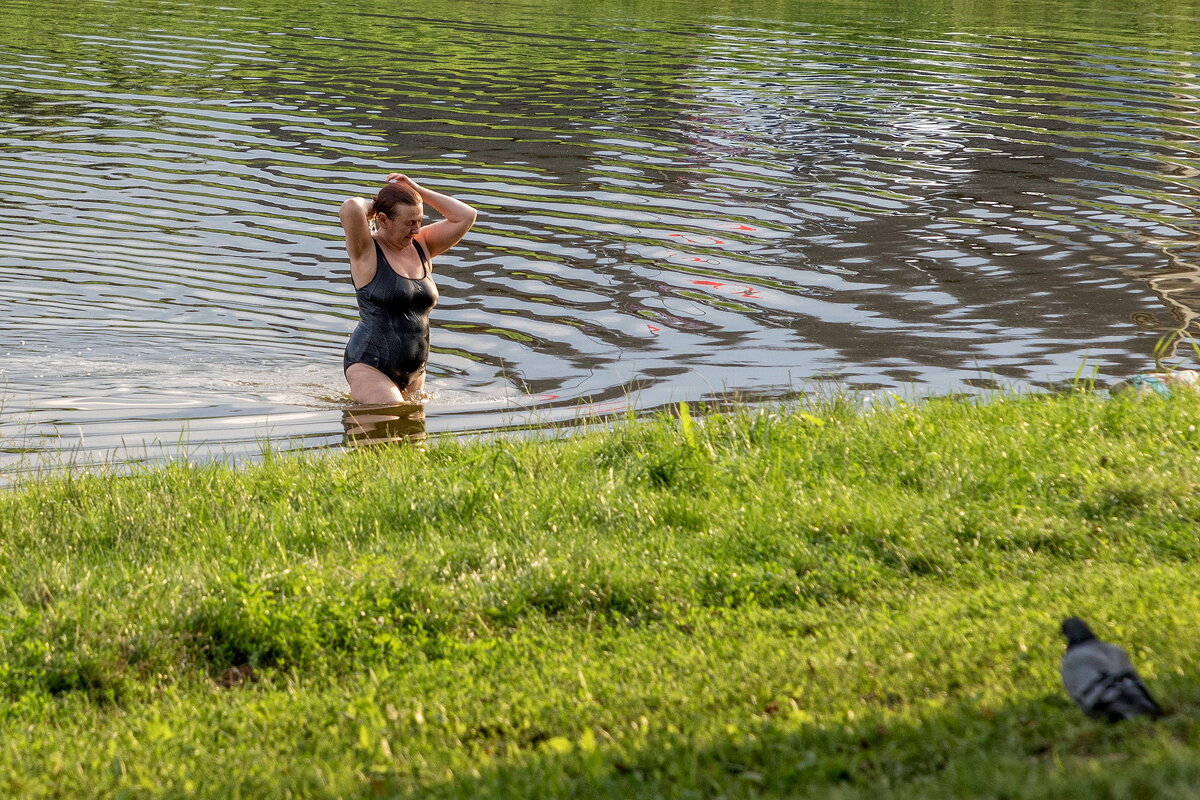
x=390 y=198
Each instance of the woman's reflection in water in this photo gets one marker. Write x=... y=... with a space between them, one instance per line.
x=375 y=425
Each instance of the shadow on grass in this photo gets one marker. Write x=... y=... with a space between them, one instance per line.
x=1041 y=748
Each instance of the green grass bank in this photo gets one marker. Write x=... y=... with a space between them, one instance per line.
x=827 y=604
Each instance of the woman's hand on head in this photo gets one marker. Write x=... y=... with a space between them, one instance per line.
x=402 y=179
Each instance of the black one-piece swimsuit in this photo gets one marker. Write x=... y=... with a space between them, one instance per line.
x=393 y=329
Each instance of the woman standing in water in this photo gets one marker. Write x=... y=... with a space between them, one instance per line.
x=392 y=272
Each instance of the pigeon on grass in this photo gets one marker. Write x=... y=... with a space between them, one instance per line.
x=1100 y=679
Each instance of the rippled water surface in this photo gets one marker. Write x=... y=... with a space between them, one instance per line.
x=674 y=204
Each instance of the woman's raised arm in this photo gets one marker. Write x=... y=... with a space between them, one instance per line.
x=353 y=216
x=444 y=234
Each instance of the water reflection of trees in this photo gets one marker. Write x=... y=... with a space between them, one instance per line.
x=1178 y=284
x=538 y=88
x=1001 y=215
x=794 y=118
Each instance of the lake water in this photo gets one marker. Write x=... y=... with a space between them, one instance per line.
x=756 y=198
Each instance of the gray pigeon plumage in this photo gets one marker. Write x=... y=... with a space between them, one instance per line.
x=1100 y=679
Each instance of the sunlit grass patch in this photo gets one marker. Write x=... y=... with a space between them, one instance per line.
x=839 y=602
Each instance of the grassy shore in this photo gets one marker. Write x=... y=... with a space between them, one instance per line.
x=827 y=604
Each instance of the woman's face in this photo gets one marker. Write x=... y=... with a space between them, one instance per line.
x=403 y=224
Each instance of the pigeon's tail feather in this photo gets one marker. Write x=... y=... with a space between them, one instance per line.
x=1139 y=707
x=1126 y=698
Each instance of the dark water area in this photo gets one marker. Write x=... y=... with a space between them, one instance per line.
x=675 y=204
